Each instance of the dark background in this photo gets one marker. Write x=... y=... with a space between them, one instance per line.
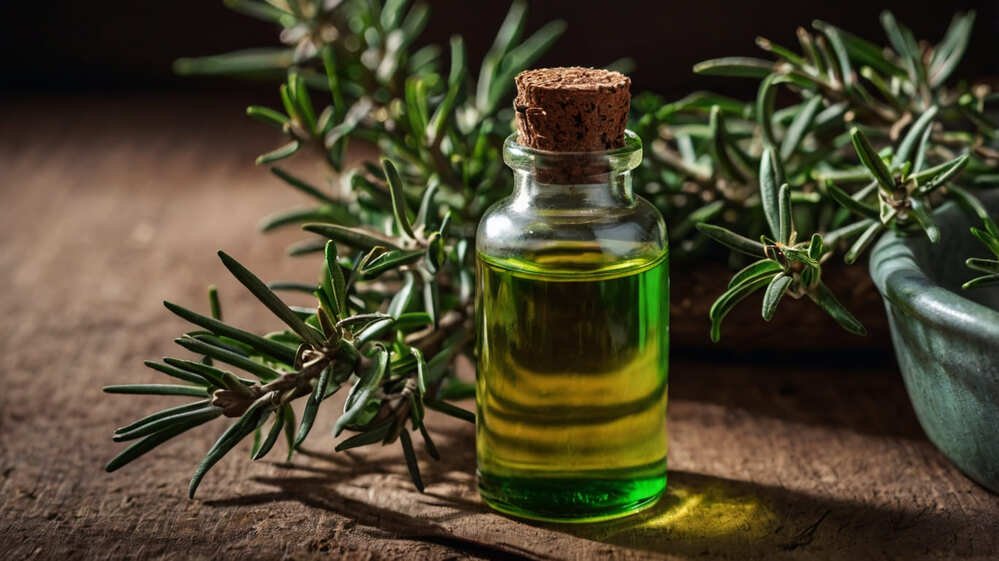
x=77 y=46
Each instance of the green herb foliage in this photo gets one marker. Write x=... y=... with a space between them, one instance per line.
x=871 y=140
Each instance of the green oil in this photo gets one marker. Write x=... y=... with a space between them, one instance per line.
x=571 y=385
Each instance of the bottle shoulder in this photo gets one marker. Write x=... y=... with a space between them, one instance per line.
x=623 y=232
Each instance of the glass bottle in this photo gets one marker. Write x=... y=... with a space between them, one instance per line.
x=573 y=339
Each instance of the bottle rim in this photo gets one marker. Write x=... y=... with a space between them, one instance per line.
x=616 y=160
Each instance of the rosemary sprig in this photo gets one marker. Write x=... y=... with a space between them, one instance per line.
x=989 y=236
x=933 y=145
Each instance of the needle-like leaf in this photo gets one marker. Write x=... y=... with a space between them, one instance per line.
x=724 y=304
x=242 y=428
x=333 y=283
x=272 y=435
x=922 y=215
x=279 y=153
x=732 y=240
x=785 y=226
x=864 y=241
x=187 y=407
x=775 y=291
x=765 y=99
x=850 y=203
x=203 y=414
x=913 y=136
x=259 y=370
x=799 y=127
x=370 y=436
x=451 y=410
x=762 y=268
x=363 y=391
x=871 y=160
x=353 y=237
x=277 y=306
x=312 y=406
x=825 y=299
x=411 y=462
x=157 y=389
x=743 y=67
x=719 y=147
x=265 y=346
x=152 y=441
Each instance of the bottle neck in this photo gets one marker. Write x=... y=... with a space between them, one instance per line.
x=573 y=180
x=603 y=191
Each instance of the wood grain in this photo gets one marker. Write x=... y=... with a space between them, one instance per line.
x=110 y=205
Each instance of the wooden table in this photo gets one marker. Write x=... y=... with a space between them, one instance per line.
x=111 y=205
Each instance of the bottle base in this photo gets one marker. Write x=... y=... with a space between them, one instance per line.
x=570 y=499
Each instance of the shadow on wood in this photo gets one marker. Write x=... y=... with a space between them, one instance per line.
x=700 y=515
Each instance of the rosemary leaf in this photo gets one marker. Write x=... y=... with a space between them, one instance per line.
x=221 y=379
x=922 y=215
x=353 y=237
x=983 y=265
x=184 y=375
x=390 y=260
x=280 y=153
x=799 y=127
x=742 y=67
x=719 y=150
x=246 y=61
x=850 y=203
x=775 y=291
x=732 y=240
x=303 y=186
x=373 y=330
x=431 y=298
x=445 y=110
x=400 y=301
x=157 y=389
x=421 y=368
x=871 y=160
x=362 y=392
x=152 y=441
x=246 y=424
x=312 y=406
x=724 y=304
x=333 y=284
x=372 y=435
x=951 y=49
x=786 y=227
x=262 y=11
x=162 y=414
x=268 y=116
x=451 y=410
x=271 y=300
x=825 y=299
x=755 y=270
x=765 y=99
x=950 y=170
x=259 y=370
x=272 y=436
x=411 y=462
x=205 y=413
x=914 y=136
x=862 y=242
x=771 y=177
x=289 y=430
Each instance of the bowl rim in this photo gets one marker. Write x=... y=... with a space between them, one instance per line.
x=902 y=282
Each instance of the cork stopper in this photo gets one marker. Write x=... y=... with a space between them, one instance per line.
x=572 y=109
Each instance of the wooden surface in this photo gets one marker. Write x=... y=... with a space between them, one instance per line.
x=111 y=205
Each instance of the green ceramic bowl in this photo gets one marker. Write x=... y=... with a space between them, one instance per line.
x=946 y=339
